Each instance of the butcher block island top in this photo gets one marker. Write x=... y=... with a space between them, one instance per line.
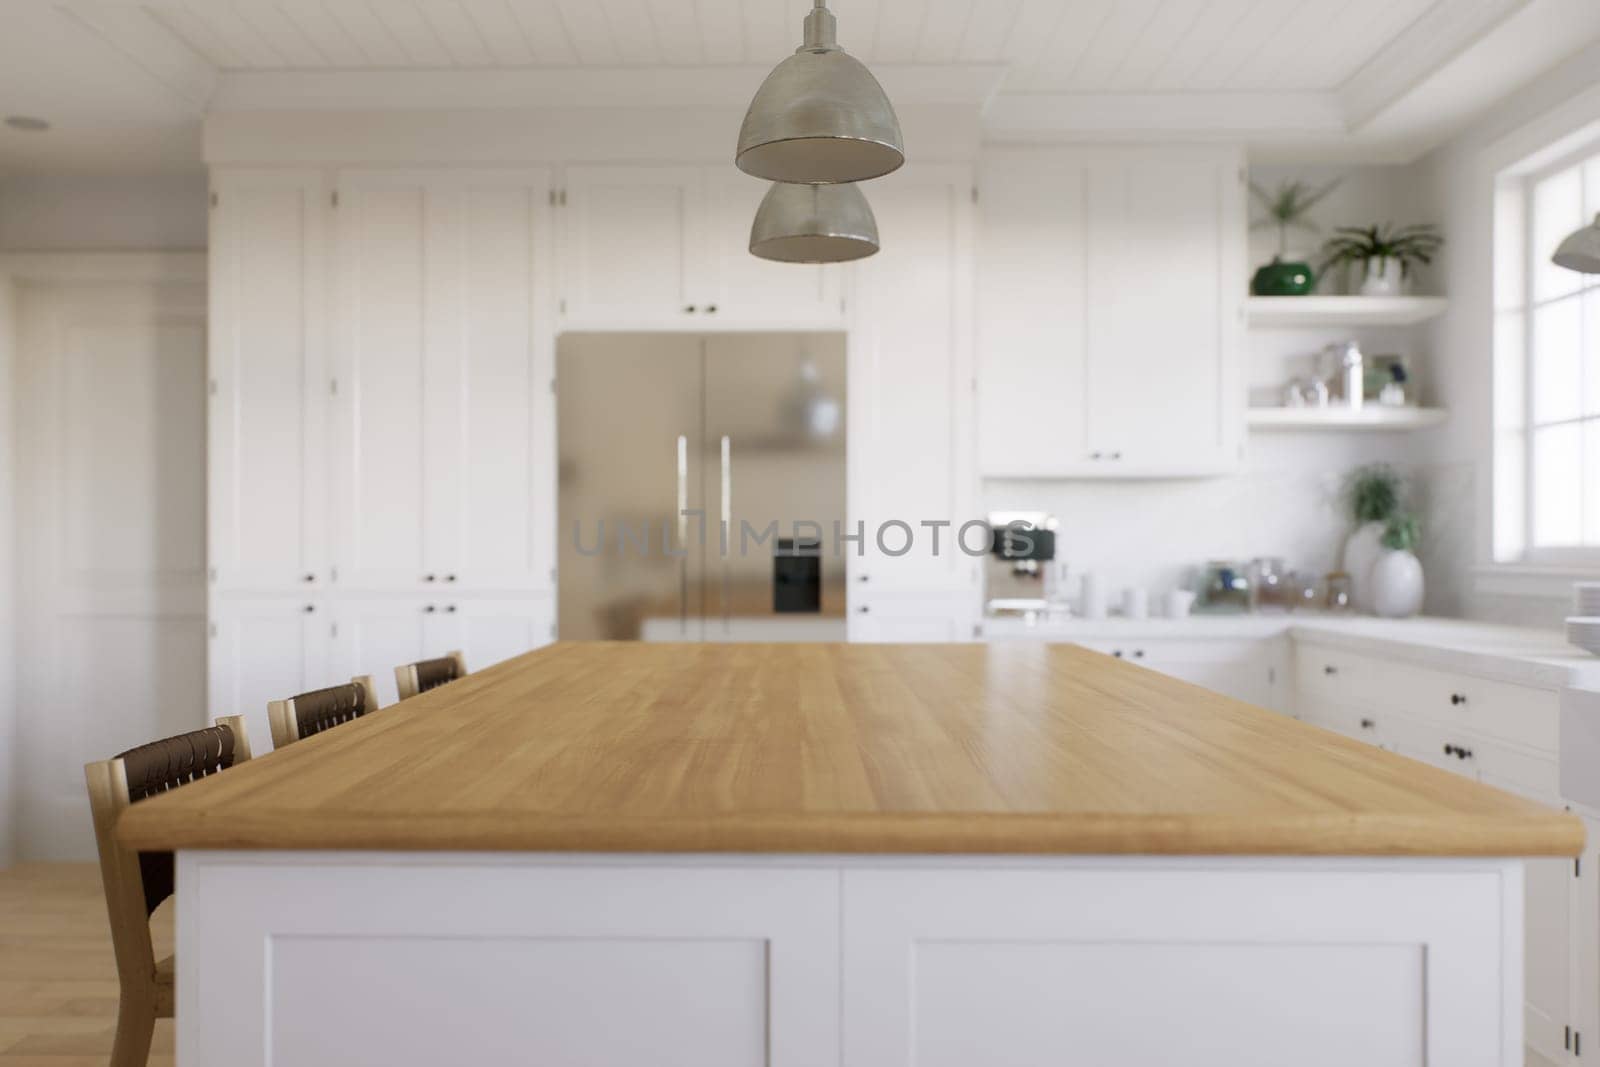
x=834 y=748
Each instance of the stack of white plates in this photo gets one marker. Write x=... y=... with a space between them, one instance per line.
x=1586 y=599
x=1584 y=631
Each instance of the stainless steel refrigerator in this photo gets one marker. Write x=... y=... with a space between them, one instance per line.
x=702 y=478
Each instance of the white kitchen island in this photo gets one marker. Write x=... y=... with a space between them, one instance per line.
x=831 y=854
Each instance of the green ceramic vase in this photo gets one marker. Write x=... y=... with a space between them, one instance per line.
x=1283 y=279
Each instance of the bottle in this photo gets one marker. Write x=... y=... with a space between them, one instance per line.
x=1351 y=366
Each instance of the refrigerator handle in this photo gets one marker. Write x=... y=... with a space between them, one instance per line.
x=727 y=520
x=683 y=533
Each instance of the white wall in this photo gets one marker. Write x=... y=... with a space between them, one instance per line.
x=1457 y=182
x=103 y=213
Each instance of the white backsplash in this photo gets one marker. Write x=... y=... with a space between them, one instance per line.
x=1284 y=502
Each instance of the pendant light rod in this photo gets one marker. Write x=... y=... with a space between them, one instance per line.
x=821 y=30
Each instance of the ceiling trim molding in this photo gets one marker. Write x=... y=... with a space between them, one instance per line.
x=1206 y=116
x=150 y=46
x=573 y=88
x=1441 y=35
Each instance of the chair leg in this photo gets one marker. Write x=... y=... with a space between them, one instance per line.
x=136 y=1024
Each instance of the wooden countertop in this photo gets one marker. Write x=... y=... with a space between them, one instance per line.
x=1005 y=748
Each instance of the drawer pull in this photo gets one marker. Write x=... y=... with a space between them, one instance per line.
x=1457 y=698
x=1367 y=724
x=863 y=609
x=1138 y=653
x=1330 y=669
x=1117 y=652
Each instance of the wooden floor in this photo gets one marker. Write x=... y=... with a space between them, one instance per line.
x=58 y=981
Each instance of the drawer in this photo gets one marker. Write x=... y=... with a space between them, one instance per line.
x=1336 y=675
x=1516 y=714
x=1341 y=718
x=1470 y=754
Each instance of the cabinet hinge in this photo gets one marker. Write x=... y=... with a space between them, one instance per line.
x=211 y=387
x=974 y=194
x=1577 y=1043
x=333 y=574
x=552 y=198
x=211 y=628
x=333 y=387
x=552 y=631
x=213 y=198
x=552 y=387
x=563 y=198
x=334 y=197
x=211 y=573
x=563 y=305
x=1566 y=1038
x=552 y=575
x=333 y=629
x=1577 y=867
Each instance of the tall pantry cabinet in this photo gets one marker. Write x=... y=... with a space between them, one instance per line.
x=381 y=426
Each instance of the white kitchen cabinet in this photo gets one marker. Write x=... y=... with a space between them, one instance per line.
x=1111 y=341
x=443 y=417
x=899 y=618
x=266 y=648
x=1254 y=671
x=653 y=247
x=268 y=380
x=911 y=396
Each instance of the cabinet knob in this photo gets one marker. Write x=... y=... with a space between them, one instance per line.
x=1330 y=669
x=1138 y=653
x=1463 y=753
x=1458 y=698
x=309 y=578
x=863 y=577
x=863 y=609
x=429 y=577
x=1117 y=652
x=450 y=608
x=1095 y=455
x=688 y=309
x=711 y=309
x=1449 y=750
x=1116 y=455
x=449 y=577
x=310 y=608
x=429 y=609
x=1367 y=724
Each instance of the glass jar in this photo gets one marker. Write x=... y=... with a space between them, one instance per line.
x=1269 y=585
x=1304 y=591
x=1337 y=597
x=1224 y=589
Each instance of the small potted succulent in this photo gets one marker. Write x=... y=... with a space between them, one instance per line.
x=1386 y=253
x=1287 y=207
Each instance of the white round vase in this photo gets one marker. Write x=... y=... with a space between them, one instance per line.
x=1397 y=585
x=1361 y=551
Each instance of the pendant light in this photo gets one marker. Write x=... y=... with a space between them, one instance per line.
x=820 y=117
x=1581 y=250
x=813 y=224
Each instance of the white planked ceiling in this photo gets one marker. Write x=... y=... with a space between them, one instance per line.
x=1048 y=46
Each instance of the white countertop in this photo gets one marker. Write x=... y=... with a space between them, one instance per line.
x=1514 y=654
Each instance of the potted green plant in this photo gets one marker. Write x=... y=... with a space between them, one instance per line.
x=1386 y=253
x=1397 y=586
x=1372 y=498
x=1287 y=207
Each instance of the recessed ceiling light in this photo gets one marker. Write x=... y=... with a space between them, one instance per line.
x=27 y=122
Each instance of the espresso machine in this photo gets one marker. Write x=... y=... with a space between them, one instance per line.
x=1020 y=573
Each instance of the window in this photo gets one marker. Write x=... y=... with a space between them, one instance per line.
x=1547 y=369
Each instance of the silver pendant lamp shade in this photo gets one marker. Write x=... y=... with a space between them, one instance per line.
x=1581 y=250
x=813 y=224
x=820 y=117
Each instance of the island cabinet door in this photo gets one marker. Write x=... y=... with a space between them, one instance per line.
x=417 y=960
x=1220 y=961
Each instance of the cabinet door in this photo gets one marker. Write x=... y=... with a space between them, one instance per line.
x=1585 y=943
x=262 y=649
x=1031 y=291
x=628 y=248
x=374 y=635
x=390 y=356
x=741 y=291
x=939 y=619
x=1547 y=949
x=497 y=485
x=267 y=416
x=911 y=388
x=1164 y=259
x=491 y=629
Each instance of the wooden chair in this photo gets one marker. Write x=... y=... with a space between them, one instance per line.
x=137 y=882
x=311 y=713
x=428 y=674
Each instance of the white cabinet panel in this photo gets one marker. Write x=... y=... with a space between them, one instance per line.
x=911 y=397
x=1031 y=312
x=384 y=371
x=629 y=245
x=263 y=649
x=1163 y=326
x=267 y=444
x=444 y=421
x=912 y=619
x=1547 y=946
x=1109 y=314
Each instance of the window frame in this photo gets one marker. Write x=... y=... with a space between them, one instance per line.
x=1580 y=557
